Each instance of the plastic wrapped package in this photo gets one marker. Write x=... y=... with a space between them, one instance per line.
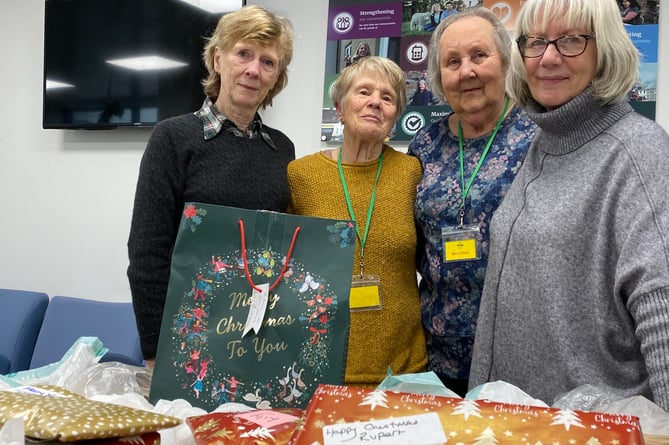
x=653 y=419
x=585 y=397
x=180 y=408
x=503 y=392
x=66 y=373
x=79 y=371
x=418 y=383
x=115 y=378
x=12 y=432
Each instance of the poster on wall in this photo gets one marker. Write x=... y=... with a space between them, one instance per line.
x=401 y=31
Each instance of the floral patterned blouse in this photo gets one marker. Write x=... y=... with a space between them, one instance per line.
x=451 y=292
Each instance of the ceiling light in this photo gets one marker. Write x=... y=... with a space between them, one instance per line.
x=52 y=84
x=216 y=6
x=147 y=63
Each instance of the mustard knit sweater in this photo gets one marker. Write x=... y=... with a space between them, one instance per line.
x=391 y=337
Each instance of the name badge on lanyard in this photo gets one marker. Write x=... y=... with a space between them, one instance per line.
x=365 y=288
x=365 y=292
x=461 y=243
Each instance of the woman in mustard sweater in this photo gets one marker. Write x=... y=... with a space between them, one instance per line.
x=367 y=181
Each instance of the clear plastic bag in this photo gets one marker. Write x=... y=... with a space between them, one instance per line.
x=115 y=378
x=12 y=432
x=419 y=383
x=79 y=371
x=500 y=391
x=65 y=373
x=653 y=419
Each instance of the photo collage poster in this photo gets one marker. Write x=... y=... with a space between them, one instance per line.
x=401 y=31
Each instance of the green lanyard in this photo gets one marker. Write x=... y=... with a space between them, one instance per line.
x=465 y=188
x=363 y=239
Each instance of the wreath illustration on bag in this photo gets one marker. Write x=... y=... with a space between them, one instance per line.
x=197 y=368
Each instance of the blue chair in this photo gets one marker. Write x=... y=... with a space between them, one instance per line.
x=68 y=318
x=21 y=314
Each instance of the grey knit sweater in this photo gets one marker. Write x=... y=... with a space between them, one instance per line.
x=577 y=287
x=180 y=166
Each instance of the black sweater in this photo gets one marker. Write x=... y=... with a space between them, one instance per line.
x=179 y=166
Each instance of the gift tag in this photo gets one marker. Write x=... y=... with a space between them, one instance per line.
x=257 y=310
x=461 y=243
x=365 y=292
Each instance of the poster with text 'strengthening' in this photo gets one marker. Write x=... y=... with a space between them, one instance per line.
x=401 y=31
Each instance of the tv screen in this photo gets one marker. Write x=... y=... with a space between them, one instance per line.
x=125 y=63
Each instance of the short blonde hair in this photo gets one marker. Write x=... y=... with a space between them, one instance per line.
x=249 y=24
x=377 y=64
x=617 y=57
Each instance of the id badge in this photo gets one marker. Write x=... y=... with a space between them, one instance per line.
x=365 y=293
x=461 y=243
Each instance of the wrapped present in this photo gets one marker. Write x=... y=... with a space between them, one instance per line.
x=255 y=427
x=338 y=415
x=54 y=413
x=142 y=439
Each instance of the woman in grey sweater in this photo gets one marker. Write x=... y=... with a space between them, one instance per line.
x=577 y=286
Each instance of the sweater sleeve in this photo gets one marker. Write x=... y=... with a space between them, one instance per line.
x=650 y=312
x=643 y=264
x=155 y=220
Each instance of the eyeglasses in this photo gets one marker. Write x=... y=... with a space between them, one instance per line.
x=567 y=46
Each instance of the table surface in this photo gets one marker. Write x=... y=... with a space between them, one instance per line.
x=656 y=440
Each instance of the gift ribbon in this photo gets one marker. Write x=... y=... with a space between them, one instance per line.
x=246 y=263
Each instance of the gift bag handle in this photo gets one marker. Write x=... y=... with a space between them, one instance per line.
x=246 y=263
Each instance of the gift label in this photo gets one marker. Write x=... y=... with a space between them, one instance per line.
x=422 y=429
x=259 y=299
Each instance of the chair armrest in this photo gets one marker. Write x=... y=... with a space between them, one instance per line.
x=112 y=356
x=4 y=364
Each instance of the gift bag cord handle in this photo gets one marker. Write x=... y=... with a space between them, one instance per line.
x=246 y=263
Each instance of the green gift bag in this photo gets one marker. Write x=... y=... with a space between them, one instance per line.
x=257 y=308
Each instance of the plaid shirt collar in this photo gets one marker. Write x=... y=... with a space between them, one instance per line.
x=214 y=122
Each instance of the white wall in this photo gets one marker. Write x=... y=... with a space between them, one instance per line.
x=66 y=196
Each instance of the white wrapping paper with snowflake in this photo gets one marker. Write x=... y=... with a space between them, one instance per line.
x=339 y=415
x=257 y=308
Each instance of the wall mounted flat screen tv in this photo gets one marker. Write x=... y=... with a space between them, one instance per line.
x=125 y=63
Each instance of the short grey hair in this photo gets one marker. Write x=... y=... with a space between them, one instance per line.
x=500 y=37
x=382 y=65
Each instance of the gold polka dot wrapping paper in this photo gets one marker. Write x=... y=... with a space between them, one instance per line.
x=54 y=413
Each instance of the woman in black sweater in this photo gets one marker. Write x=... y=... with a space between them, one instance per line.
x=221 y=154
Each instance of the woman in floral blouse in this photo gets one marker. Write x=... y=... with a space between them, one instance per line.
x=469 y=159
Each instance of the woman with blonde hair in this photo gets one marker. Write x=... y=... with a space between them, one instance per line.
x=221 y=154
x=577 y=288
